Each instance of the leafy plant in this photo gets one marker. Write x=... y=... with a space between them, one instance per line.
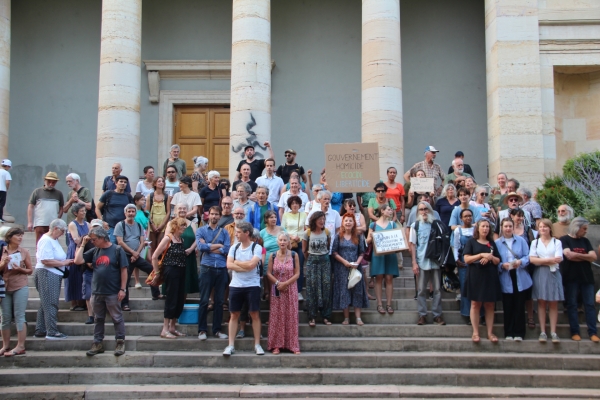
x=589 y=161
x=553 y=193
x=583 y=178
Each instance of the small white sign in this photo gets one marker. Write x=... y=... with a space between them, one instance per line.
x=390 y=241
x=422 y=185
x=15 y=260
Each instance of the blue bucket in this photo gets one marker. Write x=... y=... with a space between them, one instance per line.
x=189 y=315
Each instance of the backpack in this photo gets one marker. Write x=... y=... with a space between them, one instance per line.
x=138 y=224
x=107 y=200
x=258 y=266
x=438 y=245
x=91 y=213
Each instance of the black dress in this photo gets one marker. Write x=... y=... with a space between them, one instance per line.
x=483 y=281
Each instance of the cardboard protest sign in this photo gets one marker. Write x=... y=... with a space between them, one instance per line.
x=352 y=167
x=390 y=241
x=422 y=185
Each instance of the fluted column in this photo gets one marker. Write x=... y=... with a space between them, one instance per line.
x=119 y=93
x=381 y=96
x=4 y=75
x=514 y=90
x=250 y=120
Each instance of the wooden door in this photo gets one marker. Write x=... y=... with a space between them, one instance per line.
x=203 y=131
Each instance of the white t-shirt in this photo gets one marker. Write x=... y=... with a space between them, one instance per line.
x=191 y=199
x=286 y=195
x=49 y=249
x=141 y=188
x=4 y=176
x=249 y=278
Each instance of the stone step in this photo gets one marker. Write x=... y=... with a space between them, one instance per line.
x=177 y=392
x=543 y=378
x=398 y=321
x=332 y=345
x=246 y=359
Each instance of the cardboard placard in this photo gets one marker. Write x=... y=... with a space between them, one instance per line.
x=422 y=185
x=352 y=167
x=389 y=241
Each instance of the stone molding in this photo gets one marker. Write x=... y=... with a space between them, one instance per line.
x=168 y=100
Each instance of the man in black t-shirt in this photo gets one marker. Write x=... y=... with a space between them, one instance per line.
x=111 y=205
x=576 y=269
x=285 y=170
x=256 y=165
x=246 y=178
x=109 y=263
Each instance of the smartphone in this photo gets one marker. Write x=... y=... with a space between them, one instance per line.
x=276 y=292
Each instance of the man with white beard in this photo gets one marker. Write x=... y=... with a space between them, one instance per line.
x=239 y=215
x=565 y=215
x=425 y=269
x=459 y=172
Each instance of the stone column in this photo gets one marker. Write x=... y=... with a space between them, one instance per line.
x=381 y=103
x=4 y=75
x=514 y=91
x=250 y=120
x=119 y=93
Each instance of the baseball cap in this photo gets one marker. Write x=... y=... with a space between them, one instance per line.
x=7 y=162
x=459 y=154
x=291 y=151
x=431 y=149
x=248 y=147
x=96 y=222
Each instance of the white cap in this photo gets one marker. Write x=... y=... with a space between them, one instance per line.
x=7 y=162
x=431 y=149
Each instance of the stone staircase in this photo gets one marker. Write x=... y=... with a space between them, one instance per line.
x=389 y=357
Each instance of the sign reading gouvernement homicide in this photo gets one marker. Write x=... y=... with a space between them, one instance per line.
x=352 y=167
x=392 y=241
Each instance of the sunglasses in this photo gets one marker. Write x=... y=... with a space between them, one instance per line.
x=513 y=200
x=484 y=194
x=288 y=154
x=380 y=191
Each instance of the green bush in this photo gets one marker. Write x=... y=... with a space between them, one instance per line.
x=553 y=193
x=589 y=160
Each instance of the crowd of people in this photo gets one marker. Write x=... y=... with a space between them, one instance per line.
x=274 y=234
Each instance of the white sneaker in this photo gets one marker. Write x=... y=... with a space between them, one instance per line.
x=259 y=350
x=202 y=336
x=518 y=339
x=543 y=337
x=300 y=297
x=509 y=338
x=458 y=297
x=138 y=285
x=229 y=350
x=555 y=338
x=221 y=335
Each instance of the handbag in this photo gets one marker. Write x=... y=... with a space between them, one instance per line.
x=353 y=277
x=161 y=277
x=65 y=273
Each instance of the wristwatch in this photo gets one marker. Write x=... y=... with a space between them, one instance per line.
x=122 y=290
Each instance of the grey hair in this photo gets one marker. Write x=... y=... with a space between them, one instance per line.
x=516 y=182
x=182 y=204
x=263 y=187
x=323 y=193
x=212 y=174
x=200 y=160
x=576 y=225
x=246 y=187
x=245 y=227
x=455 y=160
x=58 y=224
x=317 y=186
x=128 y=206
x=100 y=233
x=448 y=186
x=570 y=211
x=175 y=146
x=479 y=188
x=74 y=176
x=283 y=233
x=430 y=216
x=255 y=233
x=76 y=208
x=525 y=191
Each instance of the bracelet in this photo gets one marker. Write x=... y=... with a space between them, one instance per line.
x=122 y=290
x=276 y=283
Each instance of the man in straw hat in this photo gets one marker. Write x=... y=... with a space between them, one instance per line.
x=45 y=205
x=513 y=200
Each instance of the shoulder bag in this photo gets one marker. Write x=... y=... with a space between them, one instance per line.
x=161 y=277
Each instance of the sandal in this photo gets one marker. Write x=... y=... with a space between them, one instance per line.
x=2 y=351
x=389 y=309
x=493 y=338
x=297 y=352
x=167 y=335
x=177 y=333
x=346 y=321
x=475 y=338
x=210 y=307
x=326 y=321
x=531 y=323
x=13 y=353
x=380 y=310
x=275 y=351
x=126 y=308
x=312 y=323
x=359 y=322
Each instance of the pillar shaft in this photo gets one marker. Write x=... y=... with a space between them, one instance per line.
x=514 y=98
x=381 y=104
x=250 y=121
x=119 y=93
x=4 y=75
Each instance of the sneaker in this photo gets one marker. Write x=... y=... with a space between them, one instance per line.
x=555 y=338
x=543 y=337
x=138 y=285
x=439 y=321
x=202 y=336
x=229 y=350
x=300 y=297
x=89 y=321
x=57 y=336
x=39 y=334
x=595 y=338
x=508 y=338
x=576 y=337
x=518 y=339
x=240 y=334
x=458 y=297
x=221 y=335
x=259 y=350
x=97 y=348
x=120 y=349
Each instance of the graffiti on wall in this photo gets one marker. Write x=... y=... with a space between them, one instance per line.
x=250 y=140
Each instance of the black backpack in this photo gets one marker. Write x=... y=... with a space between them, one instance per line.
x=91 y=213
x=438 y=246
x=107 y=200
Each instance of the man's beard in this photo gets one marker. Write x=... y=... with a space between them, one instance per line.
x=460 y=170
x=237 y=221
x=421 y=218
x=564 y=220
